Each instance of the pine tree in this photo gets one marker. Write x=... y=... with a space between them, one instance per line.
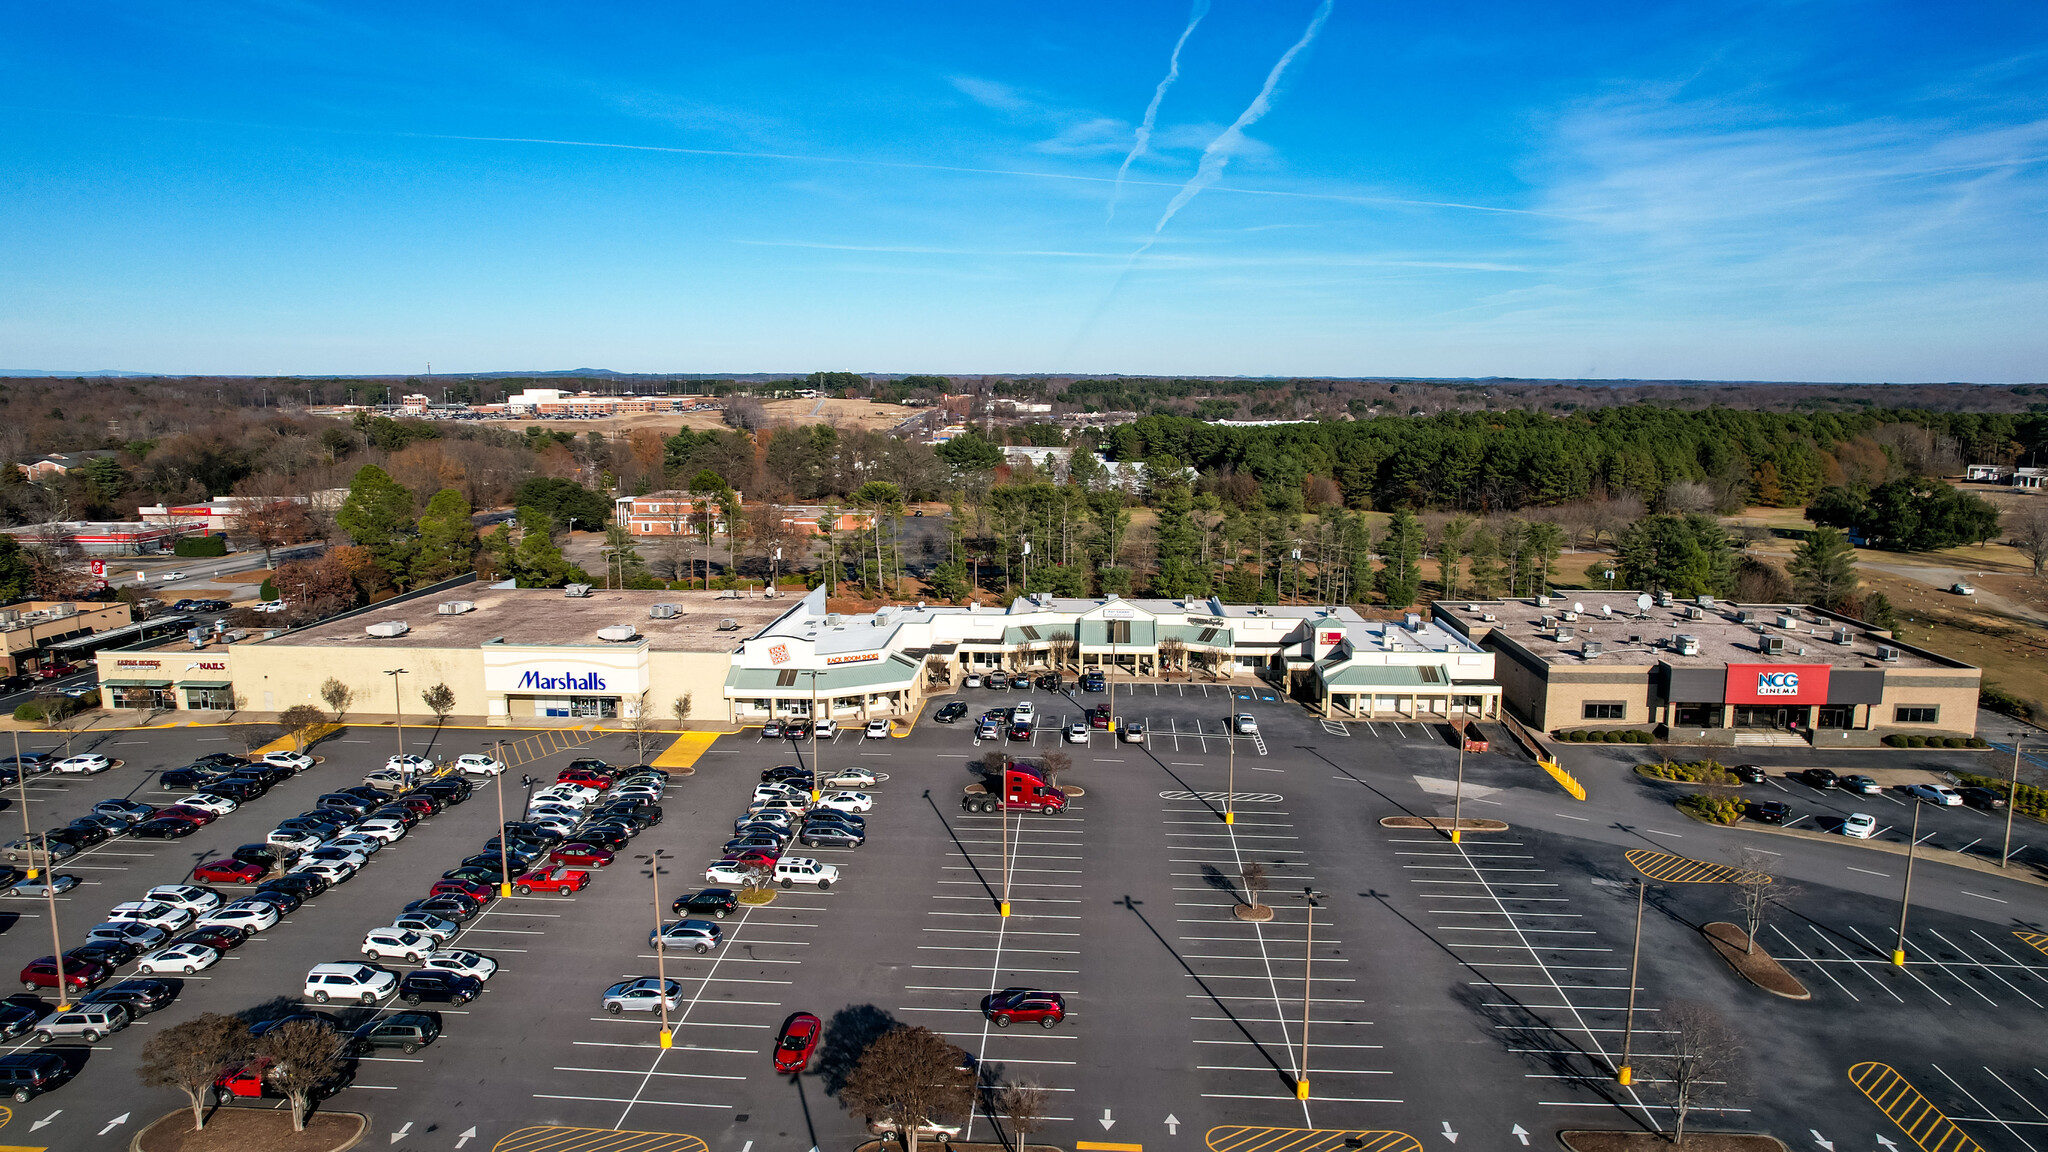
x=1400 y=547
x=1823 y=569
x=1450 y=549
x=378 y=516
x=447 y=540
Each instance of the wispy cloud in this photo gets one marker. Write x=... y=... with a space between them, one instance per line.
x=1143 y=135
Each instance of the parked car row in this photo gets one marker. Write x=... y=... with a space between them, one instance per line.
x=825 y=729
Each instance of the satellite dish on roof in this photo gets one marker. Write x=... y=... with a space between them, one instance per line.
x=1578 y=607
x=1606 y=610
x=1642 y=600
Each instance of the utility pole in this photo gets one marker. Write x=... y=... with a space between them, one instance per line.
x=1309 y=895
x=1625 y=1074
x=398 y=710
x=653 y=861
x=504 y=840
x=1906 y=897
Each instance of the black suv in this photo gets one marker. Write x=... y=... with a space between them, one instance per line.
x=26 y=1075
x=1982 y=798
x=453 y=791
x=194 y=776
x=1748 y=773
x=139 y=996
x=1051 y=682
x=717 y=903
x=433 y=984
x=1767 y=811
x=950 y=712
x=1820 y=778
x=405 y=1031
x=266 y=855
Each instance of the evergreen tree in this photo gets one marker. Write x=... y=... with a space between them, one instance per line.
x=537 y=561
x=1486 y=577
x=1450 y=549
x=1823 y=569
x=1542 y=541
x=447 y=540
x=1400 y=547
x=1181 y=572
x=1686 y=555
x=378 y=516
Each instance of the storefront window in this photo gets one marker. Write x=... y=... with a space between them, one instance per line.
x=1768 y=715
x=210 y=699
x=1836 y=716
x=1697 y=715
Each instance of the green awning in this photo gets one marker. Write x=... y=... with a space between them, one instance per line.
x=1386 y=676
x=1095 y=633
x=206 y=684
x=894 y=672
x=135 y=683
x=1191 y=635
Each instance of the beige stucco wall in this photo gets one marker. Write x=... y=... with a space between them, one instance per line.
x=274 y=677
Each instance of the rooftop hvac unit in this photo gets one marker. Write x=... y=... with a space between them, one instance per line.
x=1688 y=645
x=1547 y=623
x=1844 y=635
x=1571 y=616
x=1413 y=621
x=1543 y=601
x=576 y=591
x=1745 y=617
x=1788 y=620
x=385 y=630
x=60 y=611
x=663 y=611
x=1593 y=648
x=728 y=625
x=1563 y=633
x=9 y=615
x=456 y=607
x=617 y=633
x=1489 y=618
x=1663 y=599
x=1705 y=601
x=1771 y=645
x=1695 y=612
x=1887 y=653
x=196 y=637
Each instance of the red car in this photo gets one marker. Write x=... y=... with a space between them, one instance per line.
x=585 y=777
x=252 y=1082
x=469 y=888
x=188 y=814
x=799 y=1037
x=580 y=853
x=77 y=974
x=753 y=858
x=561 y=881
x=1027 y=1004
x=229 y=872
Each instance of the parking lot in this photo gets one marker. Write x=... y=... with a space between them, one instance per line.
x=1478 y=987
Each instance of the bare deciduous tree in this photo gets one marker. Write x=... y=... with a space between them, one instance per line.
x=338 y=696
x=910 y=1078
x=1756 y=889
x=2028 y=529
x=440 y=700
x=300 y=721
x=1052 y=764
x=192 y=1055
x=306 y=1060
x=1023 y=1105
x=642 y=725
x=1173 y=653
x=681 y=708
x=1700 y=1064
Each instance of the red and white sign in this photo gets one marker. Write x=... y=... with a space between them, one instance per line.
x=1777 y=683
x=1333 y=638
x=779 y=654
x=862 y=657
x=99 y=567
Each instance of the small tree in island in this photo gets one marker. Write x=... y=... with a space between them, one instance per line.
x=300 y=722
x=909 y=1078
x=192 y=1055
x=306 y=1059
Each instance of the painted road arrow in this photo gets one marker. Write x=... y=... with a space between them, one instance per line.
x=46 y=1120
x=116 y=1122
x=1172 y=1124
x=1106 y=1122
x=400 y=1134
x=1817 y=1139
x=1448 y=1134
x=1887 y=1143
x=1519 y=1133
x=466 y=1137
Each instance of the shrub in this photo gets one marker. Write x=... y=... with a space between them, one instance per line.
x=1710 y=772
x=201 y=546
x=1916 y=741
x=1979 y=742
x=1711 y=808
x=1571 y=737
x=2028 y=801
x=28 y=712
x=1611 y=737
x=1954 y=742
x=268 y=590
x=1895 y=741
x=1997 y=699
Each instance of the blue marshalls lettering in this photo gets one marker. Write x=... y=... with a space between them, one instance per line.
x=567 y=682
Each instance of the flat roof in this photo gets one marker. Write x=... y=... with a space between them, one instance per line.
x=1633 y=637
x=543 y=616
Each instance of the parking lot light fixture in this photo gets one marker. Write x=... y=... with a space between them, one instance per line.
x=1906 y=897
x=504 y=841
x=654 y=870
x=1458 y=797
x=817 y=769
x=1003 y=814
x=1310 y=896
x=1230 y=781
x=56 y=946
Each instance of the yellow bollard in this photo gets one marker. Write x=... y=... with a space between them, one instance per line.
x=668 y=1038
x=505 y=891
x=1454 y=835
x=1230 y=817
x=1301 y=1089
x=1899 y=957
x=1624 y=1075
x=1006 y=908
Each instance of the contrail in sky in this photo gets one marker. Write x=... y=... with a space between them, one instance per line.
x=1200 y=10
x=1220 y=150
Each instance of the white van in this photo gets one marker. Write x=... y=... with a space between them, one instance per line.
x=358 y=982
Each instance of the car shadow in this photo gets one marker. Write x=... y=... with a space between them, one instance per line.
x=847 y=1037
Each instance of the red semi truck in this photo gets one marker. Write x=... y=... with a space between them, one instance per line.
x=1024 y=790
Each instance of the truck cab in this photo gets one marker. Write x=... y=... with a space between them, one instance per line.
x=1024 y=790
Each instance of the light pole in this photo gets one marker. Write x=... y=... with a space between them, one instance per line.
x=1309 y=895
x=1230 y=785
x=1625 y=1075
x=1458 y=797
x=653 y=861
x=56 y=946
x=21 y=785
x=1003 y=814
x=398 y=710
x=504 y=840
x=816 y=768
x=1906 y=897
x=2012 y=801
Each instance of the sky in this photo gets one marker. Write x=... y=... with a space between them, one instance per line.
x=1811 y=190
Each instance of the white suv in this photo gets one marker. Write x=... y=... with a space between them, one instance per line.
x=794 y=870
x=358 y=982
x=478 y=765
x=296 y=761
x=397 y=944
x=1022 y=713
x=187 y=896
x=154 y=913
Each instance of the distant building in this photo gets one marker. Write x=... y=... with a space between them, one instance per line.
x=102 y=537
x=58 y=463
x=673 y=513
x=2029 y=479
x=2019 y=479
x=1987 y=473
x=415 y=404
x=559 y=402
x=1053 y=460
x=223 y=513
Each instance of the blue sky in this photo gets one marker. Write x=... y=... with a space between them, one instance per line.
x=1819 y=191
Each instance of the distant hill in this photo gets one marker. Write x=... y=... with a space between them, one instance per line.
x=27 y=372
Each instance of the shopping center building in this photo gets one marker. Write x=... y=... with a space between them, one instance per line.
x=1707 y=672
